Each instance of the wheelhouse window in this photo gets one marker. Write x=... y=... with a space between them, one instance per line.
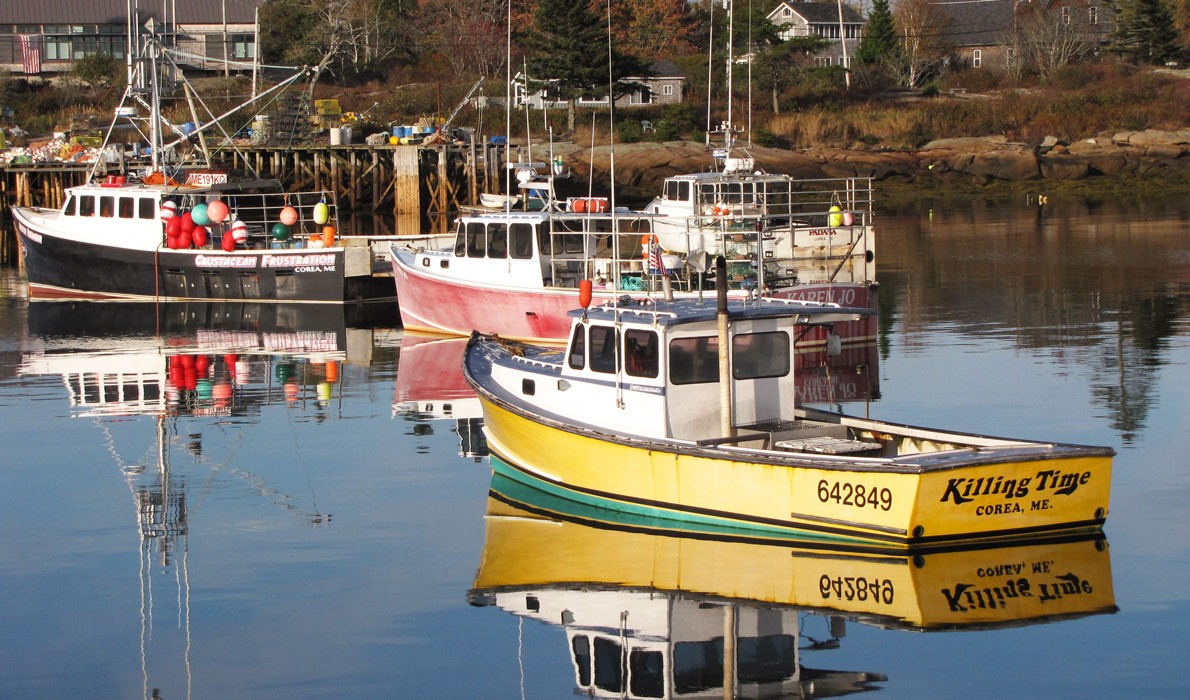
x=461 y=240
x=603 y=348
x=694 y=360
x=646 y=674
x=71 y=206
x=578 y=348
x=477 y=239
x=609 y=665
x=520 y=238
x=756 y=355
x=580 y=646
x=497 y=241
x=640 y=349
x=87 y=205
x=127 y=207
x=107 y=206
x=147 y=208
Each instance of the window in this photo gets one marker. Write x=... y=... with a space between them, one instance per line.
x=756 y=355
x=609 y=664
x=667 y=89
x=1093 y=14
x=87 y=205
x=521 y=238
x=1065 y=15
x=148 y=208
x=242 y=46
x=581 y=648
x=603 y=349
x=107 y=206
x=497 y=241
x=640 y=347
x=767 y=659
x=976 y=58
x=694 y=360
x=476 y=239
x=646 y=673
x=71 y=203
x=461 y=240
x=127 y=207
x=1010 y=56
x=578 y=348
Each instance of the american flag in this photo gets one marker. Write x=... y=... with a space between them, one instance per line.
x=31 y=53
x=656 y=264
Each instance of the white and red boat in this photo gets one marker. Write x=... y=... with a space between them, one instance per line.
x=517 y=273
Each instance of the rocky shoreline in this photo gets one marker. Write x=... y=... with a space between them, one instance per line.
x=979 y=161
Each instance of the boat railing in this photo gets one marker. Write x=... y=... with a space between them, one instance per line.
x=261 y=212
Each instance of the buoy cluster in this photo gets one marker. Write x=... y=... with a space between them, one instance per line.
x=192 y=229
x=195 y=380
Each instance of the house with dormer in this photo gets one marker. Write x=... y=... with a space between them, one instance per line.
x=662 y=86
x=837 y=23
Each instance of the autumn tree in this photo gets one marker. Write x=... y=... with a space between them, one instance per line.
x=1145 y=32
x=469 y=34
x=654 y=28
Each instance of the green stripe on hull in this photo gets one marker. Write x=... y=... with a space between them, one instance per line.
x=525 y=488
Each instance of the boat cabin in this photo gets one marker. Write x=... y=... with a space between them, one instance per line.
x=541 y=249
x=660 y=363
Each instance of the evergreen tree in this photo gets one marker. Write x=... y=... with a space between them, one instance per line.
x=880 y=42
x=568 y=42
x=1145 y=32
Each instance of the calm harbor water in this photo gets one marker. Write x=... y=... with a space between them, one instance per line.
x=312 y=519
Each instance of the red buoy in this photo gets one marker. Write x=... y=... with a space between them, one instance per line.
x=584 y=293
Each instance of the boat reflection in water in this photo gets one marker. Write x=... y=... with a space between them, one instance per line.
x=430 y=387
x=654 y=616
x=190 y=368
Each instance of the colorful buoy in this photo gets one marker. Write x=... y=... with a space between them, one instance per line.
x=322 y=213
x=281 y=231
x=199 y=215
x=217 y=211
x=289 y=216
x=168 y=210
x=239 y=231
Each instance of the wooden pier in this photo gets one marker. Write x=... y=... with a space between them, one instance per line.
x=402 y=180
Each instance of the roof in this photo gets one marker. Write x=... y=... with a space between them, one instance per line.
x=665 y=68
x=821 y=12
x=116 y=11
x=976 y=22
x=657 y=312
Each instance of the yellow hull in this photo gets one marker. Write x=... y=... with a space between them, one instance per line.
x=1015 y=584
x=777 y=496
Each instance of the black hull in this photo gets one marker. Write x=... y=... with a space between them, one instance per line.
x=66 y=269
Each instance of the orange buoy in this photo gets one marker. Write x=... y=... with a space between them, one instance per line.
x=584 y=293
x=289 y=216
x=328 y=236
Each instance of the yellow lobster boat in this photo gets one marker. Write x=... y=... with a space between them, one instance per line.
x=633 y=416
